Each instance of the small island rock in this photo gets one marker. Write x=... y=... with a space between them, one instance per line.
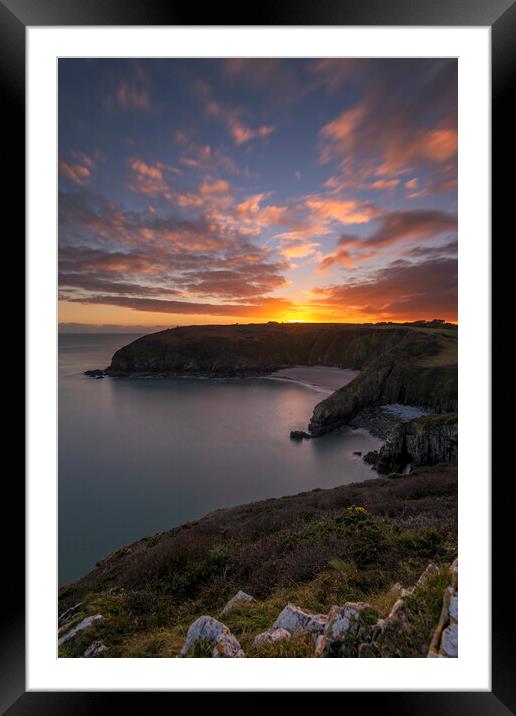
x=299 y=435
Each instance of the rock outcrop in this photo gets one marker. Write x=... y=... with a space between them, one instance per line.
x=95 y=649
x=239 y=597
x=271 y=636
x=69 y=614
x=345 y=629
x=295 y=620
x=214 y=636
x=84 y=624
x=445 y=640
x=299 y=435
x=428 y=440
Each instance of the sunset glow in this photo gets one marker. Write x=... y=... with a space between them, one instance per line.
x=223 y=191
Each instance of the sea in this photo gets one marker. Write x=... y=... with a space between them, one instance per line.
x=137 y=456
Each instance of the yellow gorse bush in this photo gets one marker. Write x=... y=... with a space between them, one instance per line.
x=356 y=510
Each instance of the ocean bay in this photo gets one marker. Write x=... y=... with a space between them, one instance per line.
x=141 y=455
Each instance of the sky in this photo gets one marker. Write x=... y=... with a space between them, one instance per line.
x=247 y=190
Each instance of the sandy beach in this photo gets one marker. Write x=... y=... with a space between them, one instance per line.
x=318 y=377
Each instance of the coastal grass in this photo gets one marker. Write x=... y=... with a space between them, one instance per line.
x=316 y=549
x=246 y=620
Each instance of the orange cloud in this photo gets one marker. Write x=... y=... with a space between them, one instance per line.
x=242 y=134
x=75 y=173
x=339 y=132
x=149 y=179
x=399 y=125
x=298 y=249
x=440 y=144
x=345 y=211
x=263 y=309
x=216 y=186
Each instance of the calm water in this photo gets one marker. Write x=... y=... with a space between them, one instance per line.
x=139 y=456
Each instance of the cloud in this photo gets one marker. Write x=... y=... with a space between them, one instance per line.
x=440 y=251
x=150 y=179
x=302 y=217
x=111 y=253
x=231 y=117
x=241 y=133
x=214 y=186
x=401 y=291
x=334 y=73
x=344 y=211
x=299 y=249
x=206 y=158
x=404 y=120
x=76 y=173
x=257 y=309
x=337 y=184
x=128 y=95
x=130 y=92
x=394 y=227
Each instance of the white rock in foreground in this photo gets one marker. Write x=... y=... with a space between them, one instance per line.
x=450 y=641
x=85 y=624
x=429 y=572
x=210 y=631
x=69 y=614
x=95 y=649
x=272 y=636
x=349 y=620
x=445 y=639
x=239 y=597
x=294 y=619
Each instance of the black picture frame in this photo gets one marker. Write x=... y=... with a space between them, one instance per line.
x=500 y=16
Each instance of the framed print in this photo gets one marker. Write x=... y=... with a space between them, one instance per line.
x=258 y=298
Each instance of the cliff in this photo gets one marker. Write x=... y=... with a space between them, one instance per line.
x=391 y=380
x=262 y=348
x=424 y=441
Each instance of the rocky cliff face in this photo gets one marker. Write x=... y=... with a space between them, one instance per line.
x=424 y=441
x=389 y=380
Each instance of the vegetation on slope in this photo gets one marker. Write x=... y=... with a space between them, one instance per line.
x=310 y=549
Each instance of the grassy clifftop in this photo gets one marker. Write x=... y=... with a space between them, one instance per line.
x=261 y=348
x=309 y=549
